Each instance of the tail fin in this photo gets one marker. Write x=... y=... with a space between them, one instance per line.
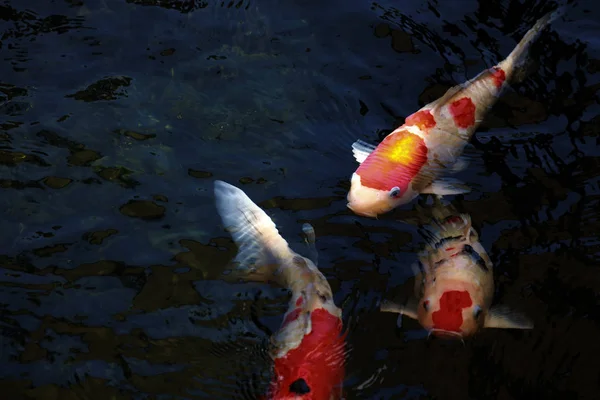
x=260 y=246
x=518 y=57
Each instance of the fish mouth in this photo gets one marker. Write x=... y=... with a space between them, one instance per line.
x=361 y=213
x=445 y=334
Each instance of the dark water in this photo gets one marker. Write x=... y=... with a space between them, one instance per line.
x=116 y=117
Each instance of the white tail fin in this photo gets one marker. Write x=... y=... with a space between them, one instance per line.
x=259 y=243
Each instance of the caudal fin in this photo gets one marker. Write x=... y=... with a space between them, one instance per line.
x=260 y=245
x=517 y=59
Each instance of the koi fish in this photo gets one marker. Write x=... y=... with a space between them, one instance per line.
x=308 y=350
x=454 y=283
x=413 y=158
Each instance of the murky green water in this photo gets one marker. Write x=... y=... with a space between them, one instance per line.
x=117 y=116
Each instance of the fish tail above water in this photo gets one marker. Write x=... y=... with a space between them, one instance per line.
x=260 y=246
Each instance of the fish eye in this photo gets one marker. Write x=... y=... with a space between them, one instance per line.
x=477 y=312
x=395 y=192
x=299 y=386
x=426 y=305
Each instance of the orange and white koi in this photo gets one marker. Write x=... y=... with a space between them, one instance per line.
x=309 y=348
x=413 y=158
x=454 y=285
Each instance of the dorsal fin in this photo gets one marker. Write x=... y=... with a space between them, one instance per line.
x=438 y=103
x=310 y=238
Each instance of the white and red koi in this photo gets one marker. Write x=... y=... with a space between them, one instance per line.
x=309 y=348
x=455 y=284
x=413 y=158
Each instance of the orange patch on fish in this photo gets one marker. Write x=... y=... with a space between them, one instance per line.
x=318 y=360
x=498 y=76
x=449 y=316
x=395 y=162
x=423 y=119
x=463 y=112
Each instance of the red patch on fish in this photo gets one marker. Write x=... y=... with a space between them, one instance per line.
x=449 y=316
x=299 y=301
x=453 y=219
x=423 y=119
x=463 y=112
x=292 y=316
x=395 y=162
x=319 y=360
x=498 y=76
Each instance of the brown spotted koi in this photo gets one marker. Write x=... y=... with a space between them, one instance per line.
x=413 y=158
x=454 y=284
x=308 y=350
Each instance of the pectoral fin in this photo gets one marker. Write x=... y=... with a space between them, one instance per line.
x=460 y=164
x=361 y=150
x=504 y=318
x=419 y=277
x=446 y=186
x=409 y=309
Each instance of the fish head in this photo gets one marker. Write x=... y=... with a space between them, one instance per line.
x=371 y=202
x=452 y=308
x=384 y=179
x=309 y=348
